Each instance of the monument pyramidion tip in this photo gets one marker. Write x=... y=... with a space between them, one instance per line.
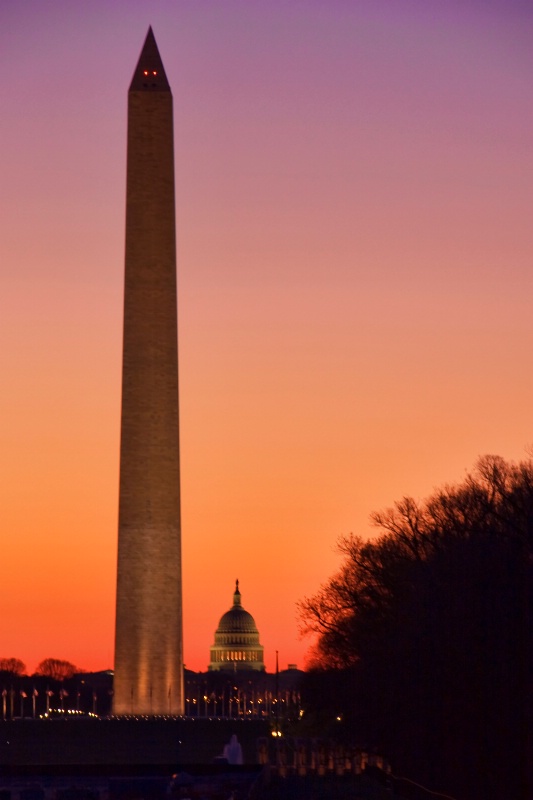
x=149 y=73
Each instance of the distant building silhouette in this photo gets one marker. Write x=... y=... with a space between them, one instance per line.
x=237 y=646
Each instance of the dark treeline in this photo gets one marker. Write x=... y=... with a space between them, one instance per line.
x=424 y=645
x=36 y=695
x=57 y=690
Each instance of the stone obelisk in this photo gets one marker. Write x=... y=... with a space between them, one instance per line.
x=148 y=643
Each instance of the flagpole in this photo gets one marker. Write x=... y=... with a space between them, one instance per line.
x=277 y=694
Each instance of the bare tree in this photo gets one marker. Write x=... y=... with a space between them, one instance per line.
x=56 y=669
x=431 y=624
x=13 y=665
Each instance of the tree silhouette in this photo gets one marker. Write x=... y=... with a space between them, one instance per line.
x=56 y=669
x=432 y=622
x=12 y=665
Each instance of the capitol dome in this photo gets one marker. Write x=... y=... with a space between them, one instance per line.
x=236 y=644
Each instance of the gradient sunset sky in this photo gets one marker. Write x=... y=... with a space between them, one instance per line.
x=354 y=213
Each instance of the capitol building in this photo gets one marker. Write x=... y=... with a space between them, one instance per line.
x=236 y=647
x=236 y=683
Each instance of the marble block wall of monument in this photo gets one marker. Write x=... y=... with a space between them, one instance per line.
x=148 y=644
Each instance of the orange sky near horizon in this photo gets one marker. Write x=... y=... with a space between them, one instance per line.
x=354 y=192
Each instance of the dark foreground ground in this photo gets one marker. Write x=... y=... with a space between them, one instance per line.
x=228 y=784
x=157 y=742
x=157 y=759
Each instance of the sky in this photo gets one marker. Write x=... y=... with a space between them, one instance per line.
x=354 y=187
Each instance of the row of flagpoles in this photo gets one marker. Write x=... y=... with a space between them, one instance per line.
x=231 y=704
x=241 y=703
x=9 y=699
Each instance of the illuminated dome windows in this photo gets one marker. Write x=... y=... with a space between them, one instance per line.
x=236 y=646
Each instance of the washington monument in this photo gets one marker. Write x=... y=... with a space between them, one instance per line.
x=148 y=643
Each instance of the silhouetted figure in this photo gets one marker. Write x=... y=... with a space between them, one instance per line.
x=233 y=751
